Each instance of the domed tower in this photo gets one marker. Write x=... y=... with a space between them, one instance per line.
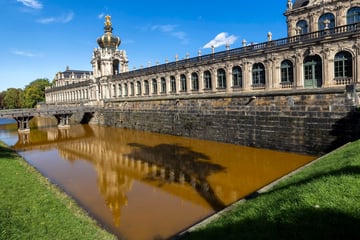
x=108 y=59
x=306 y=16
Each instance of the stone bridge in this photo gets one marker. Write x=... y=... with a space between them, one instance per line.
x=61 y=113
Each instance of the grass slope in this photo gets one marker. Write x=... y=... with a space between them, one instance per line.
x=31 y=208
x=320 y=202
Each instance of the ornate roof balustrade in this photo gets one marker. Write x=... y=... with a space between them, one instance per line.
x=242 y=51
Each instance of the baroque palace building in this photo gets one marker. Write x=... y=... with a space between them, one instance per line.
x=320 y=51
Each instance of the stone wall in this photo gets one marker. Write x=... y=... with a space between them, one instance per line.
x=308 y=121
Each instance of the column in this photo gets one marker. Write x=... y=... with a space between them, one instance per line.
x=228 y=75
x=299 y=80
x=247 y=76
x=201 y=80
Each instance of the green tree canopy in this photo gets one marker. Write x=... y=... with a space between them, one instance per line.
x=12 y=98
x=2 y=94
x=35 y=92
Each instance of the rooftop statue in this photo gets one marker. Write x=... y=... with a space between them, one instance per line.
x=108 y=21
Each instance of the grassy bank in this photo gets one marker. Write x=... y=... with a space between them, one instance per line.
x=31 y=208
x=320 y=202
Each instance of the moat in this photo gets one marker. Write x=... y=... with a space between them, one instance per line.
x=142 y=185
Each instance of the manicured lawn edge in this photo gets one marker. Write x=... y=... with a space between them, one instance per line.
x=32 y=208
x=318 y=201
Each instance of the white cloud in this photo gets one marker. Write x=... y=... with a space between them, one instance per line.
x=164 y=28
x=65 y=18
x=171 y=29
x=25 y=53
x=47 y=20
x=31 y=4
x=101 y=16
x=220 y=40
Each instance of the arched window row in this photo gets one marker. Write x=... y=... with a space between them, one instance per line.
x=222 y=79
x=328 y=21
x=70 y=96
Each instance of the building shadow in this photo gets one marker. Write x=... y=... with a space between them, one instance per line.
x=298 y=225
x=179 y=164
x=311 y=222
x=86 y=118
x=345 y=130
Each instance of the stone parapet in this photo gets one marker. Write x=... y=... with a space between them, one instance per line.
x=312 y=123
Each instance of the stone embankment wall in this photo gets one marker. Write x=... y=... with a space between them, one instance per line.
x=310 y=121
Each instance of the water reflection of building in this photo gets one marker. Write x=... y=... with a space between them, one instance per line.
x=210 y=175
x=117 y=169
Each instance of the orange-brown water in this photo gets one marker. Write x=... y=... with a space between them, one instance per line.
x=142 y=185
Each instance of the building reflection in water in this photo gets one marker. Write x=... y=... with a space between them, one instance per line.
x=151 y=185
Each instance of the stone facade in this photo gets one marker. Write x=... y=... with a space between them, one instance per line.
x=258 y=94
x=321 y=50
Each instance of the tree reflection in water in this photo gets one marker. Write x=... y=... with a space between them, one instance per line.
x=180 y=164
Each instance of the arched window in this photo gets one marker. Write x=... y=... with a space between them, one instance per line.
x=194 y=82
x=116 y=64
x=326 y=20
x=287 y=72
x=125 y=90
x=119 y=90
x=302 y=27
x=146 y=87
x=207 y=80
x=237 y=77
x=132 y=89
x=138 y=88
x=343 y=65
x=163 y=85
x=172 y=84
x=221 y=78
x=154 y=86
x=353 y=15
x=183 y=83
x=258 y=74
x=313 y=72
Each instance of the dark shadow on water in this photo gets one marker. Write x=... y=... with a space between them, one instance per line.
x=194 y=167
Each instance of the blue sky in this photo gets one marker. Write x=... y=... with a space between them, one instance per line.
x=41 y=37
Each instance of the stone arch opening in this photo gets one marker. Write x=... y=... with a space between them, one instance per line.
x=116 y=66
x=326 y=21
x=258 y=75
x=287 y=72
x=353 y=15
x=343 y=67
x=237 y=77
x=313 y=72
x=195 y=81
x=221 y=78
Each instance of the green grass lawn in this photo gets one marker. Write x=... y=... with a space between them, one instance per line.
x=32 y=208
x=320 y=202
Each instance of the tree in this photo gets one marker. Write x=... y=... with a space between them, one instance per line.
x=2 y=94
x=12 y=98
x=35 y=92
